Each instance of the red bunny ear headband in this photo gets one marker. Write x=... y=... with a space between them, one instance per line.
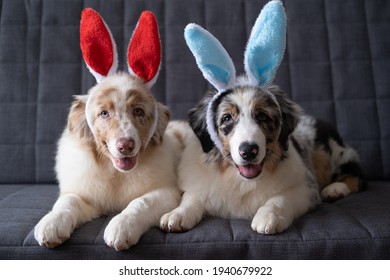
x=99 y=51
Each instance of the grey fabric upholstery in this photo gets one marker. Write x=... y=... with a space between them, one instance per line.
x=352 y=228
x=336 y=66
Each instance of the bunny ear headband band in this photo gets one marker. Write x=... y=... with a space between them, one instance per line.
x=100 y=54
x=263 y=55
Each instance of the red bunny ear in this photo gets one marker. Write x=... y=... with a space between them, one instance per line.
x=144 y=52
x=97 y=45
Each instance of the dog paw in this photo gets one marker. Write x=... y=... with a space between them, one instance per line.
x=53 y=229
x=121 y=233
x=268 y=222
x=176 y=221
x=335 y=191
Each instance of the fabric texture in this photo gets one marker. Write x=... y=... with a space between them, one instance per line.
x=336 y=66
x=266 y=44
x=356 y=227
x=210 y=56
x=144 y=52
x=96 y=43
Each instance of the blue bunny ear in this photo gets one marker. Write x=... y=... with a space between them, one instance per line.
x=266 y=44
x=212 y=58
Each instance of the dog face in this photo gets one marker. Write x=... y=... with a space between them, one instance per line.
x=247 y=120
x=121 y=114
x=252 y=125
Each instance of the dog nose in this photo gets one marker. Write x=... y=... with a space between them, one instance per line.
x=125 y=145
x=248 y=150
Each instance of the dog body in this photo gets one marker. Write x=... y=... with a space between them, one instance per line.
x=253 y=154
x=116 y=153
x=100 y=173
x=273 y=163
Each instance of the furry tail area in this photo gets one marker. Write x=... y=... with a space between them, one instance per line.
x=336 y=166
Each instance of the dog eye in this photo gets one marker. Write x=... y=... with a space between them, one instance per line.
x=226 y=118
x=227 y=124
x=104 y=114
x=261 y=117
x=138 y=112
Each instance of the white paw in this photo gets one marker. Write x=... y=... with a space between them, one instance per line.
x=268 y=222
x=176 y=221
x=53 y=229
x=335 y=191
x=121 y=232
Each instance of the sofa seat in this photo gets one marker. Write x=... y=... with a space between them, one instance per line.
x=355 y=227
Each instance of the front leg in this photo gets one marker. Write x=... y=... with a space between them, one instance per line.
x=278 y=213
x=186 y=216
x=126 y=228
x=68 y=212
x=271 y=219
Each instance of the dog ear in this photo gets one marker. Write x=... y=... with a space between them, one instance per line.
x=266 y=44
x=164 y=116
x=77 y=123
x=198 y=123
x=144 y=51
x=97 y=45
x=291 y=113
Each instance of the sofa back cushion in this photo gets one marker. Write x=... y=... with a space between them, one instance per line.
x=336 y=66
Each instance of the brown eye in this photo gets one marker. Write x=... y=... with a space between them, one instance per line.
x=226 y=119
x=104 y=114
x=261 y=117
x=227 y=124
x=138 y=112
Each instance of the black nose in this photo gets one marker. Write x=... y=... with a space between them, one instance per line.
x=248 y=150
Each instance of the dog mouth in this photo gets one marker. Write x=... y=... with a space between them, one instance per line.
x=250 y=171
x=125 y=163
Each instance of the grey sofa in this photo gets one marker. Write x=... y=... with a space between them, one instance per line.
x=337 y=66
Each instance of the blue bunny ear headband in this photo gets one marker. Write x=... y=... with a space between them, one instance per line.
x=263 y=54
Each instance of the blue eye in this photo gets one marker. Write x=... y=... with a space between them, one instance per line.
x=104 y=114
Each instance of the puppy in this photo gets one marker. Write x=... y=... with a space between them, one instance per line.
x=116 y=153
x=252 y=153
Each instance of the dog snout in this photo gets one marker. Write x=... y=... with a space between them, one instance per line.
x=248 y=151
x=125 y=145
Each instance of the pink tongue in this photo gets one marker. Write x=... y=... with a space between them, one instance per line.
x=250 y=170
x=126 y=163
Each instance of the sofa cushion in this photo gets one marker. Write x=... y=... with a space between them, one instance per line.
x=354 y=227
x=336 y=66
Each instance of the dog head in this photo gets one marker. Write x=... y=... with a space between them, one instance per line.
x=244 y=120
x=121 y=111
x=122 y=114
x=119 y=116
x=251 y=124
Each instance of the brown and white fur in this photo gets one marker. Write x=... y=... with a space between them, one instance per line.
x=114 y=168
x=274 y=166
